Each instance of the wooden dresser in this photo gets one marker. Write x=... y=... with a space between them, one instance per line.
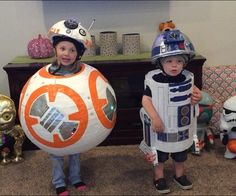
x=127 y=79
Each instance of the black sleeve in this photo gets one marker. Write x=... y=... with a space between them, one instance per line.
x=147 y=91
x=225 y=139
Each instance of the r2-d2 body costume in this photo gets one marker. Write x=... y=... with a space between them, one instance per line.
x=172 y=101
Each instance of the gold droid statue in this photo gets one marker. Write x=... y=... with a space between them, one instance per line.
x=8 y=128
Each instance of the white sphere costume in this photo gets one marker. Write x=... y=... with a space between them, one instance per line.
x=68 y=114
x=171 y=100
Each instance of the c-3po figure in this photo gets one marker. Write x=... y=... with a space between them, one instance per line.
x=8 y=128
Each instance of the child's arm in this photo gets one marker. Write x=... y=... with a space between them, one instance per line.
x=157 y=124
x=196 y=95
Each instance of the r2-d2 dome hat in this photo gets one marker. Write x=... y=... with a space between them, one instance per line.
x=171 y=43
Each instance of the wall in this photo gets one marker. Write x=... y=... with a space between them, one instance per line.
x=20 y=21
x=209 y=24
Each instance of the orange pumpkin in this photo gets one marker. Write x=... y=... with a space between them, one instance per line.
x=168 y=25
x=232 y=145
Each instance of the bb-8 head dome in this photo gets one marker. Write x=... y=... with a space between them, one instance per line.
x=71 y=30
x=67 y=114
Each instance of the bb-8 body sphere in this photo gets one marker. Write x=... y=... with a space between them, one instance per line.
x=228 y=127
x=68 y=114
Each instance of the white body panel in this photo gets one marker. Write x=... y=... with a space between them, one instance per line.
x=172 y=101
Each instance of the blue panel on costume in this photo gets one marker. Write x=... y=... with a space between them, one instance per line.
x=147 y=125
x=180 y=98
x=162 y=137
x=173 y=36
x=155 y=51
x=181 y=88
x=184 y=117
x=183 y=135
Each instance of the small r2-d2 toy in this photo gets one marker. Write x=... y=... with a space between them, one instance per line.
x=172 y=101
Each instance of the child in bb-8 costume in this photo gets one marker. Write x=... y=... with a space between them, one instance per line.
x=168 y=100
x=67 y=107
x=69 y=48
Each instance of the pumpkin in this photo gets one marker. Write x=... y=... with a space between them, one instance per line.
x=165 y=26
x=232 y=145
x=39 y=48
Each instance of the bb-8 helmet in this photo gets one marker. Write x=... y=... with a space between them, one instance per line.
x=73 y=30
x=170 y=43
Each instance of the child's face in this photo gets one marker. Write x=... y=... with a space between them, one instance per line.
x=173 y=65
x=66 y=53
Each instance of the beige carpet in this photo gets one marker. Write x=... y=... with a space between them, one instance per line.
x=121 y=170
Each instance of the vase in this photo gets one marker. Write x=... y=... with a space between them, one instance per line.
x=131 y=43
x=108 y=43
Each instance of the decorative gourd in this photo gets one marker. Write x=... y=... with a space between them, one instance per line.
x=165 y=26
x=40 y=48
x=232 y=145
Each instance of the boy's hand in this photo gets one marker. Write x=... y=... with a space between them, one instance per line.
x=196 y=95
x=149 y=157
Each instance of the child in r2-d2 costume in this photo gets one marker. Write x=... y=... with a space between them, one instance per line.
x=169 y=111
